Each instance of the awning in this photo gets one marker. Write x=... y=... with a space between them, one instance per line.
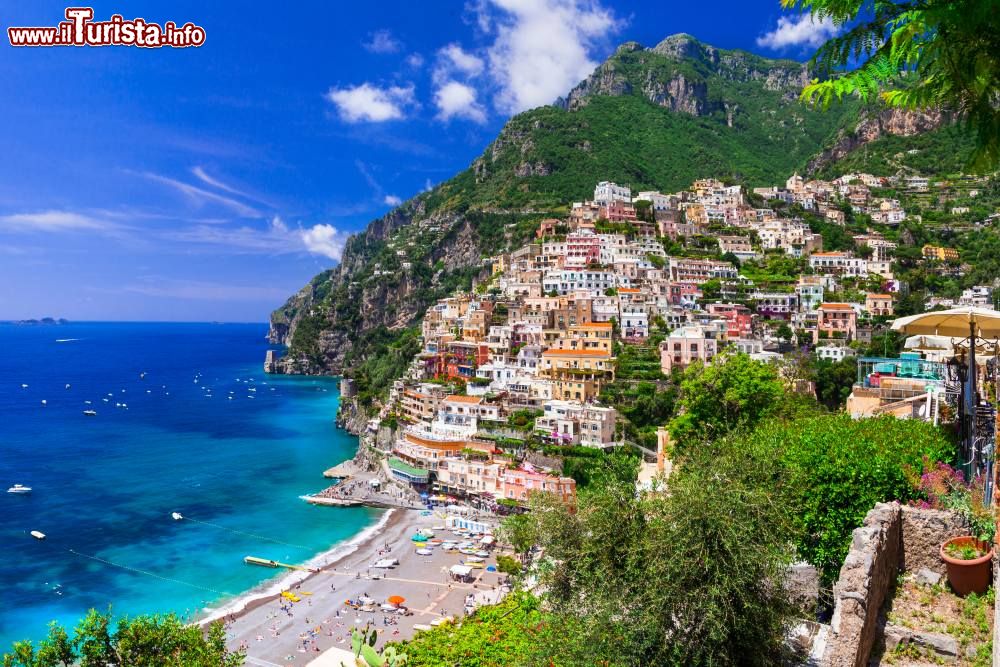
x=461 y=570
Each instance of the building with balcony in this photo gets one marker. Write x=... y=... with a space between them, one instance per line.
x=577 y=374
x=686 y=345
x=836 y=321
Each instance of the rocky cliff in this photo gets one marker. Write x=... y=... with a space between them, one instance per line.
x=681 y=74
x=874 y=124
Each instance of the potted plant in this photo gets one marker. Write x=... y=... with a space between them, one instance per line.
x=968 y=558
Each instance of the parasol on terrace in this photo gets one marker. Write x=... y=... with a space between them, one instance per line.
x=973 y=326
x=396 y=600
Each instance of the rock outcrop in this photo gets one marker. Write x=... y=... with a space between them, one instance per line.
x=873 y=125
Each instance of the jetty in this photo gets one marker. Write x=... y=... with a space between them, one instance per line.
x=265 y=562
x=342 y=471
x=335 y=502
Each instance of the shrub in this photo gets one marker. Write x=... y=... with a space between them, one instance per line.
x=508 y=565
x=836 y=469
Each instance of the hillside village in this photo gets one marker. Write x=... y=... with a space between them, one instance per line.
x=633 y=287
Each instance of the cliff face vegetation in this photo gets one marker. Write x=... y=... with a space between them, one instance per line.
x=654 y=118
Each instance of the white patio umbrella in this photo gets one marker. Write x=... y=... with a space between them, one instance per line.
x=975 y=324
x=956 y=322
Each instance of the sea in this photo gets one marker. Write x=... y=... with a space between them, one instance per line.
x=186 y=422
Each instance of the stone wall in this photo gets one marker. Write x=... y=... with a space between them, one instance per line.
x=867 y=576
x=923 y=533
x=893 y=539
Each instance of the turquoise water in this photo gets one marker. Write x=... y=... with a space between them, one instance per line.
x=105 y=486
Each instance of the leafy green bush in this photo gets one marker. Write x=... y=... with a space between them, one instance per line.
x=495 y=636
x=837 y=468
x=142 y=641
x=508 y=565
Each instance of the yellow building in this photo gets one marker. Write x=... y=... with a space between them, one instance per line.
x=940 y=254
x=577 y=375
x=590 y=336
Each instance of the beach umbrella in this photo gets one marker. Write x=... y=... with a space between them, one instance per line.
x=396 y=600
x=970 y=322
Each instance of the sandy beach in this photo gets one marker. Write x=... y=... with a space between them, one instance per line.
x=276 y=631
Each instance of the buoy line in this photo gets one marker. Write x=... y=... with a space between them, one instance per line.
x=243 y=532
x=149 y=574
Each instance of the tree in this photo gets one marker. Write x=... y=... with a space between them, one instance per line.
x=948 y=47
x=834 y=381
x=729 y=393
x=679 y=578
x=784 y=332
x=142 y=641
x=518 y=531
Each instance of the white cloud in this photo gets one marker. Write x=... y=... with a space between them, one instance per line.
x=202 y=196
x=207 y=179
x=382 y=41
x=392 y=200
x=801 y=31
x=457 y=100
x=454 y=57
x=414 y=60
x=366 y=102
x=543 y=47
x=324 y=240
x=53 y=221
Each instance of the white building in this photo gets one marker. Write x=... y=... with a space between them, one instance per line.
x=607 y=192
x=834 y=352
x=660 y=202
x=565 y=282
x=635 y=324
x=573 y=423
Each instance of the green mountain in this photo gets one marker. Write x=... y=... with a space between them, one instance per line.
x=654 y=118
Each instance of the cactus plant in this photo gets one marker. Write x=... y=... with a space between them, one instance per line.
x=363 y=644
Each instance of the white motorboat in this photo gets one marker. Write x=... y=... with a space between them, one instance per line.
x=176 y=516
x=90 y=413
x=19 y=488
x=38 y=535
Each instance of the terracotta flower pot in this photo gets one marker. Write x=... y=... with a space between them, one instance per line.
x=969 y=576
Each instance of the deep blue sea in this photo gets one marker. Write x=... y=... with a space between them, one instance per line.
x=105 y=486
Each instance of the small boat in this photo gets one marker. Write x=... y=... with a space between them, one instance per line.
x=86 y=402
x=67 y=385
x=142 y=375
x=38 y=535
x=24 y=386
x=176 y=516
x=44 y=402
x=19 y=488
x=424 y=552
x=90 y=413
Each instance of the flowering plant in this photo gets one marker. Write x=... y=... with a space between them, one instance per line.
x=945 y=488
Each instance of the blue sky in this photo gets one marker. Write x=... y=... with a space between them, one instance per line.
x=210 y=183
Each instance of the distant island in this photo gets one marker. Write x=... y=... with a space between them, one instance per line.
x=44 y=320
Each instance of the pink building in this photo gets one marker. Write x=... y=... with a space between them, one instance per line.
x=518 y=484
x=582 y=248
x=618 y=211
x=685 y=345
